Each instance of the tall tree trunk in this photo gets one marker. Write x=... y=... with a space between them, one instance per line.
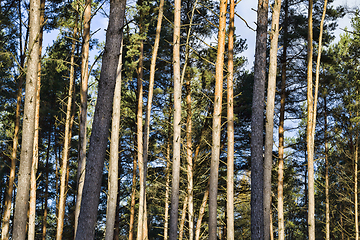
x=67 y=142
x=114 y=154
x=101 y=124
x=230 y=131
x=183 y=217
x=83 y=108
x=327 y=202
x=356 y=211
x=22 y=196
x=132 y=204
x=201 y=214
x=167 y=190
x=177 y=123
x=140 y=146
x=216 y=132
x=257 y=123
x=32 y=208
x=44 y=222
x=10 y=183
x=280 y=190
x=269 y=126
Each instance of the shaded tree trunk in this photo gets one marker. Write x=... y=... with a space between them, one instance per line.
x=101 y=124
x=44 y=222
x=22 y=196
x=327 y=202
x=132 y=204
x=183 y=217
x=201 y=214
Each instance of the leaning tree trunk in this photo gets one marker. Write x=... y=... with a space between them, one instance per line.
x=216 y=128
x=114 y=155
x=83 y=108
x=269 y=126
x=230 y=131
x=177 y=123
x=22 y=195
x=201 y=214
x=67 y=142
x=101 y=124
x=257 y=123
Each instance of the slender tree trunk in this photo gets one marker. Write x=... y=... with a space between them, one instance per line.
x=230 y=131
x=356 y=212
x=22 y=196
x=183 y=217
x=177 y=123
x=114 y=155
x=280 y=190
x=140 y=146
x=132 y=204
x=257 y=123
x=67 y=142
x=167 y=187
x=117 y=216
x=44 y=222
x=216 y=132
x=101 y=124
x=327 y=202
x=201 y=214
x=32 y=208
x=274 y=36
x=83 y=108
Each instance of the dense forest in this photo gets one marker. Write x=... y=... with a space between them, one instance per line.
x=162 y=129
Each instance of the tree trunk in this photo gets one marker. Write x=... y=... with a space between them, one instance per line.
x=67 y=142
x=177 y=123
x=114 y=155
x=216 y=132
x=101 y=124
x=230 y=131
x=257 y=123
x=183 y=217
x=280 y=190
x=201 y=214
x=327 y=202
x=356 y=191
x=132 y=204
x=167 y=186
x=22 y=196
x=269 y=126
x=46 y=189
x=83 y=108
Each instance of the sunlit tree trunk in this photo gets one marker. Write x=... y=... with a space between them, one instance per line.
x=183 y=217
x=101 y=123
x=132 y=203
x=114 y=155
x=201 y=214
x=216 y=128
x=83 y=108
x=327 y=202
x=67 y=142
x=257 y=124
x=167 y=188
x=230 y=130
x=22 y=195
x=177 y=123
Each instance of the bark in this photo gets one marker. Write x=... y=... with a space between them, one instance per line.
x=356 y=212
x=269 y=126
x=230 y=131
x=46 y=189
x=183 y=217
x=167 y=193
x=216 y=132
x=101 y=124
x=114 y=155
x=67 y=142
x=280 y=190
x=177 y=123
x=22 y=196
x=132 y=204
x=257 y=123
x=9 y=191
x=327 y=202
x=201 y=214
x=140 y=146
x=83 y=108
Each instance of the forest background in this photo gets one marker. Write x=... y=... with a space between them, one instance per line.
x=164 y=171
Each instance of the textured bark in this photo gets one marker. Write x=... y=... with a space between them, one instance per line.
x=177 y=123
x=280 y=190
x=270 y=104
x=257 y=123
x=132 y=204
x=167 y=188
x=216 y=127
x=114 y=154
x=101 y=124
x=67 y=143
x=201 y=214
x=83 y=108
x=34 y=165
x=140 y=146
x=230 y=130
x=22 y=196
